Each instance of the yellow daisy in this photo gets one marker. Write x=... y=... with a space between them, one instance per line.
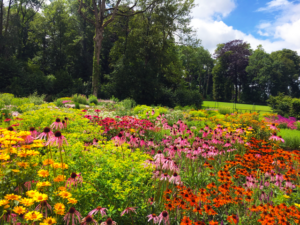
x=27 y=201
x=33 y=215
x=3 y=202
x=32 y=193
x=72 y=201
x=47 y=162
x=59 y=208
x=19 y=210
x=65 y=194
x=49 y=220
x=59 y=178
x=12 y=197
x=40 y=197
x=43 y=173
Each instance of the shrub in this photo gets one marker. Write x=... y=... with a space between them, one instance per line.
x=19 y=101
x=188 y=97
x=59 y=103
x=36 y=99
x=93 y=99
x=6 y=97
x=77 y=105
x=280 y=104
x=80 y=99
x=128 y=103
x=2 y=104
x=295 y=110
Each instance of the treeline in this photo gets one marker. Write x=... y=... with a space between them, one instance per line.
x=148 y=54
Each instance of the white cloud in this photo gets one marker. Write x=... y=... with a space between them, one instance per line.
x=207 y=9
x=283 y=33
x=275 y=5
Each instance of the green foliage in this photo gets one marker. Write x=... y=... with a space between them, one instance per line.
x=20 y=101
x=281 y=104
x=77 y=105
x=225 y=111
x=59 y=103
x=36 y=99
x=188 y=97
x=295 y=110
x=81 y=99
x=93 y=99
x=2 y=104
x=6 y=97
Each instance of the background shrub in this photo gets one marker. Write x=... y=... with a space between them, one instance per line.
x=188 y=97
x=93 y=99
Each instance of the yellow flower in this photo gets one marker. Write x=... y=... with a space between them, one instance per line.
x=23 y=164
x=72 y=201
x=12 y=197
x=16 y=171
x=34 y=215
x=62 y=188
x=49 y=221
x=19 y=210
x=27 y=202
x=286 y=196
x=32 y=193
x=40 y=197
x=59 y=208
x=65 y=194
x=59 y=178
x=43 y=184
x=4 y=157
x=297 y=205
x=47 y=162
x=43 y=173
x=3 y=202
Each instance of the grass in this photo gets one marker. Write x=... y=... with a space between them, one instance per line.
x=242 y=107
x=291 y=138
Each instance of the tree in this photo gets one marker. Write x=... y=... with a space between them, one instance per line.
x=235 y=56
x=102 y=17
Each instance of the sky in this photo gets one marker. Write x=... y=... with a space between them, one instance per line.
x=275 y=24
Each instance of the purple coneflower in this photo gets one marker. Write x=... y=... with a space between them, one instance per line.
x=75 y=179
x=33 y=132
x=58 y=139
x=96 y=210
x=72 y=213
x=47 y=133
x=57 y=124
x=128 y=210
x=175 y=178
x=164 y=216
x=109 y=221
x=164 y=176
x=153 y=217
x=43 y=205
x=88 y=220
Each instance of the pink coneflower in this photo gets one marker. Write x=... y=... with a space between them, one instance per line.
x=72 y=213
x=227 y=144
x=88 y=220
x=33 y=132
x=57 y=124
x=164 y=176
x=109 y=221
x=43 y=205
x=46 y=134
x=75 y=179
x=9 y=217
x=58 y=139
x=274 y=137
x=175 y=177
x=128 y=210
x=153 y=217
x=273 y=127
x=96 y=210
x=164 y=216
x=119 y=139
x=151 y=200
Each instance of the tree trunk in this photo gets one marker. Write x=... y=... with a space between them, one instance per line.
x=96 y=60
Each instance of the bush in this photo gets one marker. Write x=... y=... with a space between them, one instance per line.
x=36 y=99
x=77 y=105
x=6 y=97
x=128 y=103
x=93 y=99
x=281 y=104
x=295 y=110
x=19 y=101
x=81 y=99
x=188 y=97
x=2 y=104
x=59 y=103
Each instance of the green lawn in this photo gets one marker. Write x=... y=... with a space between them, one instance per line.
x=291 y=138
x=242 y=107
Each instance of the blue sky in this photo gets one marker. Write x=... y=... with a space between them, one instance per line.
x=275 y=24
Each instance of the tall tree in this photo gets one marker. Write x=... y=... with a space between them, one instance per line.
x=235 y=54
x=104 y=13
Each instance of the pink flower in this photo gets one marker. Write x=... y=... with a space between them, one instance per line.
x=175 y=177
x=46 y=134
x=128 y=210
x=164 y=216
x=72 y=213
x=44 y=205
x=109 y=221
x=89 y=219
x=74 y=180
x=33 y=132
x=57 y=124
x=96 y=210
x=164 y=176
x=57 y=139
x=153 y=217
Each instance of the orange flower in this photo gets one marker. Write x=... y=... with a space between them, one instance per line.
x=186 y=221
x=213 y=223
x=232 y=219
